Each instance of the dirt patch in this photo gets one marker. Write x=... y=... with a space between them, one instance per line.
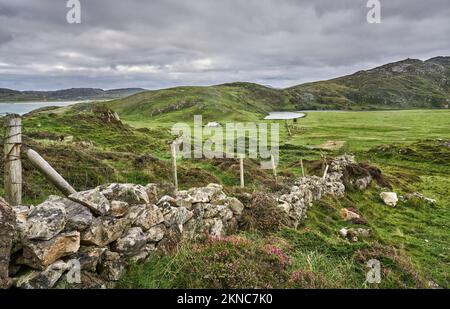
x=331 y=145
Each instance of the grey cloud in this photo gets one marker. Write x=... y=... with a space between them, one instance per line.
x=163 y=43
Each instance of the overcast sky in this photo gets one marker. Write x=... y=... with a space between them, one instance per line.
x=164 y=43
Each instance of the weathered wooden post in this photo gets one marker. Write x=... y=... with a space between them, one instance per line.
x=325 y=172
x=13 y=165
x=241 y=163
x=174 y=164
x=274 y=167
x=301 y=164
x=49 y=172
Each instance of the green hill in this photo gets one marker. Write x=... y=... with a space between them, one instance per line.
x=400 y=85
x=405 y=84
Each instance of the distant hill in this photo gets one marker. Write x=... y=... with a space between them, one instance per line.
x=405 y=84
x=400 y=85
x=74 y=94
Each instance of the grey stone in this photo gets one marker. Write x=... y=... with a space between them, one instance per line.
x=156 y=233
x=45 y=279
x=78 y=216
x=94 y=200
x=46 y=220
x=151 y=216
x=7 y=234
x=130 y=243
x=130 y=193
x=40 y=254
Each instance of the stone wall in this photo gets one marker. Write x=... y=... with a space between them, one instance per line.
x=97 y=233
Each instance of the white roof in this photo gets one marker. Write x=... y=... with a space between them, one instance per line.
x=284 y=116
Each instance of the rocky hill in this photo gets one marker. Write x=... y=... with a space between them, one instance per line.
x=400 y=85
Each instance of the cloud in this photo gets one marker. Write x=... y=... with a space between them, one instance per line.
x=164 y=43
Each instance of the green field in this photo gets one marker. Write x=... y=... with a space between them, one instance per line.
x=410 y=148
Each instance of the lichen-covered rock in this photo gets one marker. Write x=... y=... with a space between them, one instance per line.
x=212 y=192
x=389 y=198
x=156 y=233
x=119 y=208
x=7 y=234
x=105 y=230
x=130 y=193
x=234 y=204
x=46 y=279
x=39 y=254
x=143 y=254
x=111 y=266
x=89 y=257
x=156 y=191
x=94 y=200
x=46 y=220
x=151 y=215
x=177 y=216
x=166 y=202
x=420 y=197
x=130 y=243
x=78 y=216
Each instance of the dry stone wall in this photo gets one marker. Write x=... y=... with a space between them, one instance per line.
x=92 y=236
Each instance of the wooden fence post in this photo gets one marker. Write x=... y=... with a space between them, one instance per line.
x=174 y=165
x=49 y=172
x=241 y=163
x=13 y=165
x=301 y=164
x=325 y=172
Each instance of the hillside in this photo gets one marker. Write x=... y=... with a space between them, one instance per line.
x=73 y=94
x=405 y=84
x=400 y=85
x=237 y=101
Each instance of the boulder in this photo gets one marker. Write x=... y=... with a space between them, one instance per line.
x=92 y=199
x=46 y=220
x=130 y=243
x=78 y=216
x=130 y=193
x=151 y=216
x=40 y=254
x=7 y=234
x=143 y=254
x=45 y=279
x=389 y=198
x=156 y=233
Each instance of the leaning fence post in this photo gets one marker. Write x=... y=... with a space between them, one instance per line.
x=174 y=165
x=49 y=172
x=325 y=172
x=241 y=163
x=13 y=165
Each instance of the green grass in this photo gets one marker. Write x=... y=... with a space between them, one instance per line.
x=411 y=241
